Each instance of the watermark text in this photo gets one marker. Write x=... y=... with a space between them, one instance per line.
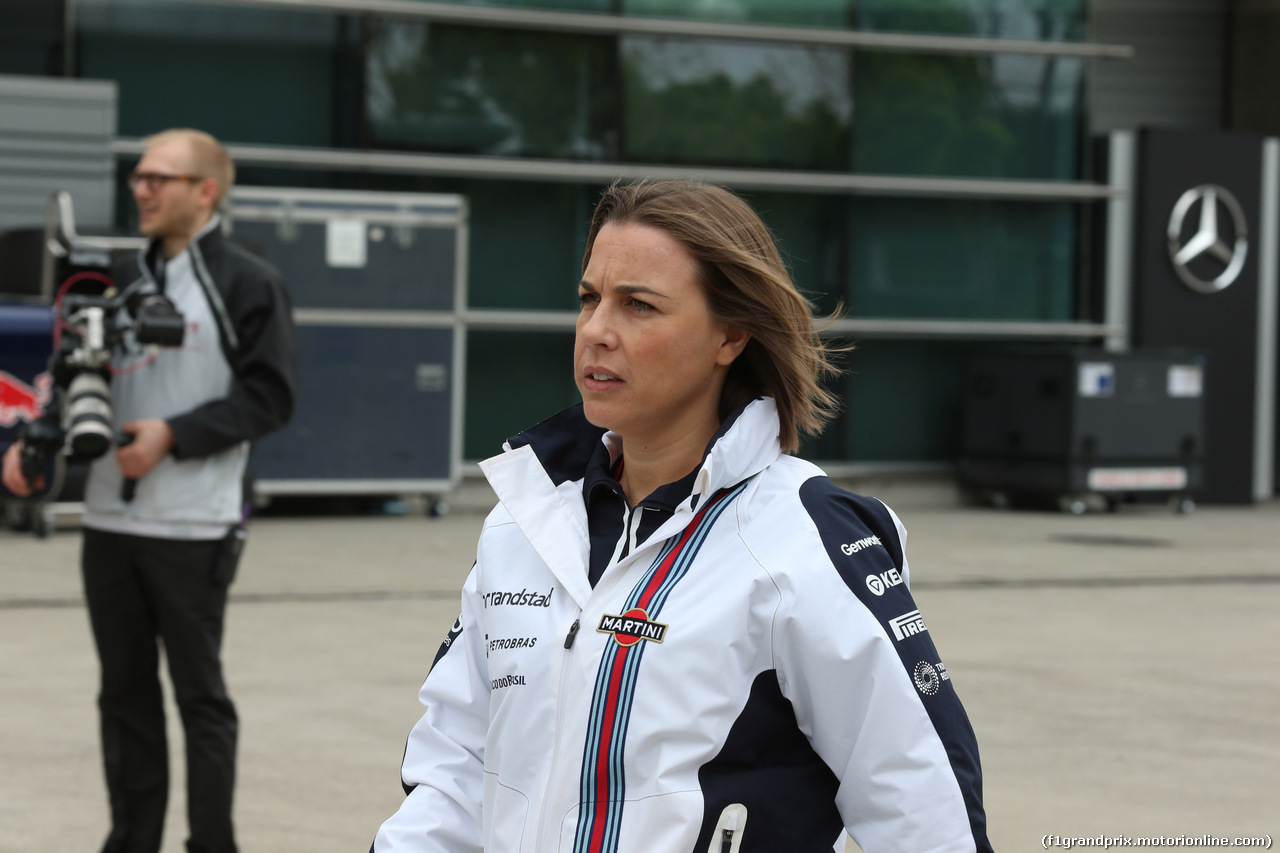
x=1067 y=842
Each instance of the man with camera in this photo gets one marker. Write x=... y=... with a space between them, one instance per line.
x=164 y=518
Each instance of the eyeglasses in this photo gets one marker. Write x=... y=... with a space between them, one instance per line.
x=156 y=181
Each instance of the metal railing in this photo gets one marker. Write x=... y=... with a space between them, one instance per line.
x=595 y=172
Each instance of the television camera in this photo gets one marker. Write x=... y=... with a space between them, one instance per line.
x=93 y=334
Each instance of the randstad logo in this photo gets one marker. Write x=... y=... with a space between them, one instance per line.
x=523 y=598
x=854 y=547
x=879 y=583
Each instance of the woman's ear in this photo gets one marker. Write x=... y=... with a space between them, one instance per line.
x=735 y=341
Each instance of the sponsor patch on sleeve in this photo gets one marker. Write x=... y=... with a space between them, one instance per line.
x=928 y=677
x=454 y=633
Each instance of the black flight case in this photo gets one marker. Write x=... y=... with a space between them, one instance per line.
x=1084 y=427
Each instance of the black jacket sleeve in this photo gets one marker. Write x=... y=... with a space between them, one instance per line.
x=262 y=353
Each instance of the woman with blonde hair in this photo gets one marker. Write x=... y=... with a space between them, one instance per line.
x=677 y=636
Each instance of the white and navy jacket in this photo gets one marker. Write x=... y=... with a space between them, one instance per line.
x=756 y=664
x=231 y=381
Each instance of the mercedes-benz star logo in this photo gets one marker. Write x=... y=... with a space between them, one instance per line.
x=1207 y=241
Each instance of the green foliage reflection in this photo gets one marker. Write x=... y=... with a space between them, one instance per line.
x=467 y=90
x=725 y=104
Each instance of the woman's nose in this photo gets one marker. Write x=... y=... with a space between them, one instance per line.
x=597 y=327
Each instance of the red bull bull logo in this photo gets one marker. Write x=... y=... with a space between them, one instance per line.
x=21 y=402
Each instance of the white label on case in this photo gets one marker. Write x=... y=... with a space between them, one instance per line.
x=346 y=242
x=1186 y=380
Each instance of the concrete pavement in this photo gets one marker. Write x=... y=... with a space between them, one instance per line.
x=1120 y=670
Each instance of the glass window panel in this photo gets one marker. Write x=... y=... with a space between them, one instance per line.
x=514 y=381
x=902 y=402
x=928 y=258
x=478 y=91
x=213 y=21
x=194 y=65
x=1008 y=115
x=960 y=259
x=527 y=241
x=963 y=116
x=810 y=232
x=731 y=103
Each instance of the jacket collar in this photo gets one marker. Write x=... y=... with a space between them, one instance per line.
x=538 y=479
x=208 y=240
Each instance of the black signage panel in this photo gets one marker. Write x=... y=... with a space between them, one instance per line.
x=1195 y=282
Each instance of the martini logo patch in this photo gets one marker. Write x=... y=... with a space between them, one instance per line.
x=632 y=627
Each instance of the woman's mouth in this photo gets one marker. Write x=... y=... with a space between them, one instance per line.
x=600 y=380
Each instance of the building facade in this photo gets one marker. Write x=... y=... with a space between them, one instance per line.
x=927 y=165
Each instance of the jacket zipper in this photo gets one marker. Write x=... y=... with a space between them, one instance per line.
x=727 y=836
x=628 y=533
x=548 y=795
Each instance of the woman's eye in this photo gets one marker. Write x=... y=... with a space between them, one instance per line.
x=587 y=298
x=640 y=305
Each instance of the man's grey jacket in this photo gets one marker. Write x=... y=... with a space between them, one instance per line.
x=231 y=381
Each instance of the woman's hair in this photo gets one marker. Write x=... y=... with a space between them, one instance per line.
x=747 y=286
x=208 y=158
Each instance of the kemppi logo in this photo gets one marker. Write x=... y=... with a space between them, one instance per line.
x=20 y=401
x=879 y=583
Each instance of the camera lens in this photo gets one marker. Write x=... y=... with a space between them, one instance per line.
x=88 y=416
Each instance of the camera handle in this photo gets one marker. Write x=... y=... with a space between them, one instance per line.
x=129 y=485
